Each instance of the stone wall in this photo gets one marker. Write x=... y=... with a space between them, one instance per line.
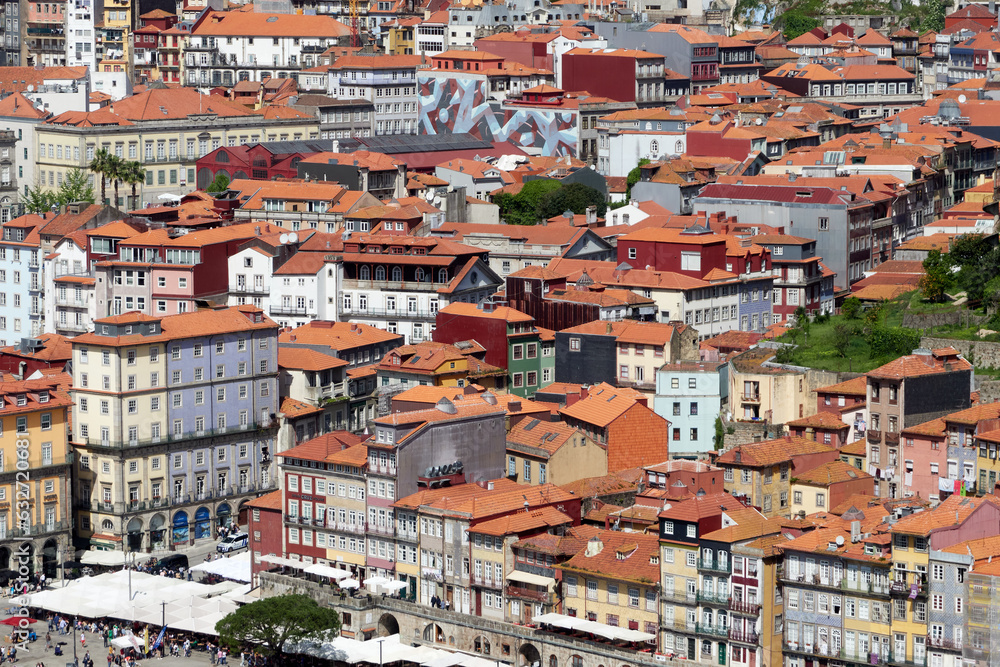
x=980 y=353
x=962 y=318
x=745 y=432
x=365 y=617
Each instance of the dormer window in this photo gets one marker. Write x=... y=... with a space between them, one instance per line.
x=104 y=329
x=22 y=400
x=43 y=397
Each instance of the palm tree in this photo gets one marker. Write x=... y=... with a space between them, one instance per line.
x=115 y=172
x=134 y=174
x=99 y=165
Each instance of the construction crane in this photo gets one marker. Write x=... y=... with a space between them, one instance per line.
x=355 y=35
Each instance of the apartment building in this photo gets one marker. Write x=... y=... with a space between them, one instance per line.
x=690 y=395
x=174 y=424
x=362 y=347
x=762 y=471
x=399 y=283
x=21 y=309
x=324 y=516
x=615 y=580
x=389 y=82
x=238 y=45
x=801 y=279
x=168 y=130
x=541 y=452
x=911 y=390
x=38 y=534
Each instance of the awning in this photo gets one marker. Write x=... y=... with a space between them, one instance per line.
x=284 y=562
x=529 y=578
x=106 y=558
x=327 y=571
x=236 y=568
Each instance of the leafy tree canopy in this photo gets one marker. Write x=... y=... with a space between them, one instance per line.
x=274 y=622
x=575 y=197
x=220 y=184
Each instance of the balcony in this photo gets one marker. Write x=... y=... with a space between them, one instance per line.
x=713 y=565
x=383 y=469
x=711 y=598
x=874 y=436
x=258 y=290
x=682 y=597
x=36 y=529
x=915 y=661
x=912 y=586
x=527 y=593
x=744 y=636
x=396 y=313
x=679 y=625
x=891 y=438
x=742 y=607
x=875 y=588
x=71 y=301
x=282 y=309
x=941 y=642
x=711 y=630
x=354 y=528
x=751 y=398
x=381 y=530
x=170 y=437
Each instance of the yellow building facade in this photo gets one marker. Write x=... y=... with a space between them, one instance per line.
x=35 y=463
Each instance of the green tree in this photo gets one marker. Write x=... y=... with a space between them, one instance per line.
x=116 y=171
x=842 y=338
x=134 y=175
x=274 y=622
x=221 y=184
x=36 y=200
x=575 y=197
x=522 y=208
x=936 y=278
x=890 y=342
x=851 y=308
x=76 y=187
x=802 y=322
x=634 y=177
x=797 y=23
x=719 y=440
x=100 y=165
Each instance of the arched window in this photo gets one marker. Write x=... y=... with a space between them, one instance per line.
x=679 y=147
x=397 y=274
x=443 y=275
x=553 y=661
x=107 y=524
x=654 y=147
x=575 y=661
x=379 y=273
x=222 y=156
x=419 y=274
x=365 y=273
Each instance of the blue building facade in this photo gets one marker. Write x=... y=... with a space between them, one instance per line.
x=689 y=395
x=22 y=311
x=755 y=304
x=175 y=424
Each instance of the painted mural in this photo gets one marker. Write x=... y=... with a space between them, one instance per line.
x=450 y=105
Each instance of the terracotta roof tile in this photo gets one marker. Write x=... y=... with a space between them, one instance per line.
x=340 y=336
x=269 y=501
x=771 y=452
x=327 y=445
x=855 y=387
x=522 y=522
x=603 y=404
x=952 y=512
x=175 y=327
x=632 y=557
x=293 y=408
x=856 y=448
x=300 y=358
x=259 y=24
x=830 y=473
x=821 y=420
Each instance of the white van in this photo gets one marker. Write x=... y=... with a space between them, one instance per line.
x=232 y=543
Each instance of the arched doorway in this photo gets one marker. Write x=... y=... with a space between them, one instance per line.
x=243 y=514
x=388 y=625
x=50 y=558
x=157 y=535
x=181 y=531
x=224 y=515
x=134 y=530
x=202 y=523
x=434 y=633
x=529 y=656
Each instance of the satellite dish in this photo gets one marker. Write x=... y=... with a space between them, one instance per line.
x=283 y=239
x=759 y=121
x=293 y=237
x=31 y=88
x=840 y=540
x=962 y=99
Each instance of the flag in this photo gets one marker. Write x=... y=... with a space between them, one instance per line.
x=159 y=640
x=145 y=637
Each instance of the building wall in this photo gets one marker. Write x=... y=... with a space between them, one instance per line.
x=553 y=131
x=592 y=363
x=705 y=395
x=638 y=429
x=266 y=531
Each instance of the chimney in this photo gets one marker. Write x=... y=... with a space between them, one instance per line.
x=591 y=215
x=594 y=547
x=513 y=406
